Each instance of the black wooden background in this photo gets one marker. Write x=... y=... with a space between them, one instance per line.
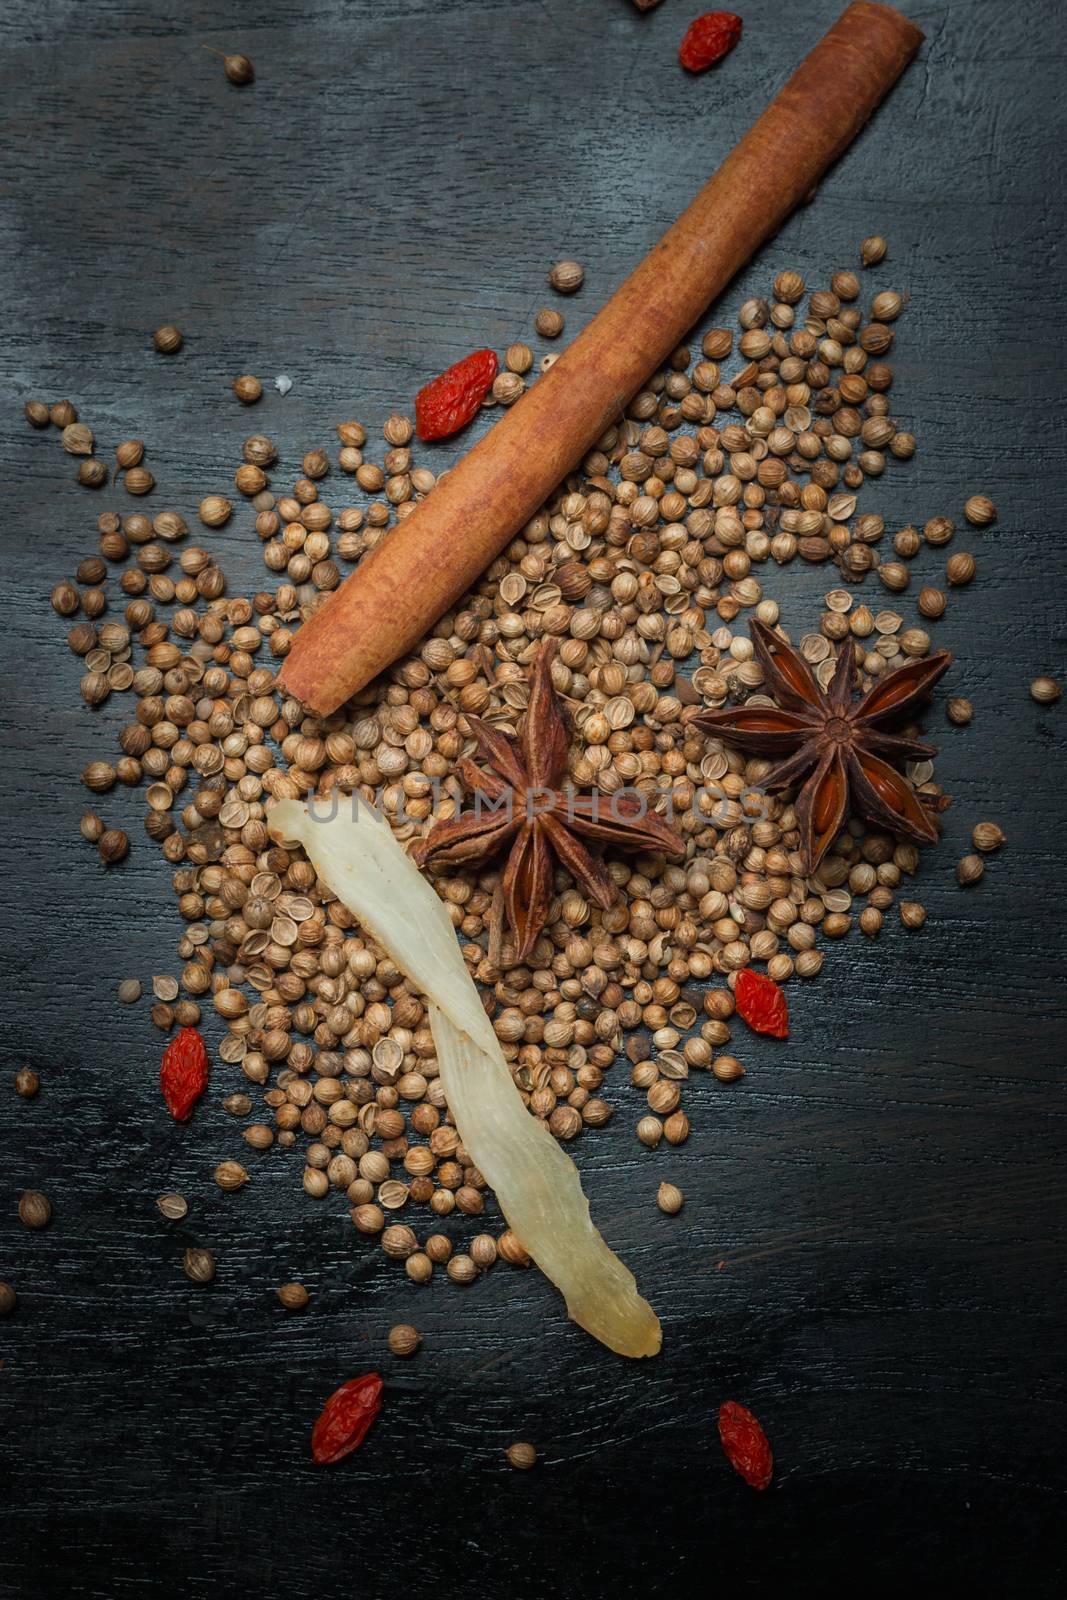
x=886 y=1191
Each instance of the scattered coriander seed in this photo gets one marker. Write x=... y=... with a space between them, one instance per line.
x=130 y=453
x=439 y=1248
x=727 y=1069
x=27 y=1083
x=62 y=413
x=887 y=306
x=238 y=69
x=521 y=1455
x=959 y=710
x=969 y=869
x=167 y=339
x=789 y=287
x=1046 y=691
x=871 y=920
x=214 y=510
x=198 y=1264
x=35 y=1209
x=8 y=1299
x=419 y=1267
x=37 y=413
x=65 y=599
x=164 y=987
x=510 y=1249
x=507 y=388
x=960 y=568
x=404 y=1340
x=248 y=389
x=77 y=439
x=293 y=1296
x=931 y=602
x=566 y=277
x=98 y=776
x=518 y=358
x=548 y=323
x=398 y=430
x=650 y=1131
x=129 y=991
x=138 y=481
x=938 y=530
x=173 y=1206
x=873 y=250
x=238 y=1105
x=980 y=511
x=987 y=836
x=230 y=1175
x=91 y=827
x=92 y=473
x=670 y=1199
x=461 y=1269
x=113 y=846
x=912 y=914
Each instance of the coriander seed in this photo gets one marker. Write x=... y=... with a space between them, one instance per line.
x=62 y=414
x=293 y=1296
x=986 y=836
x=238 y=69
x=650 y=1131
x=959 y=710
x=248 y=389
x=214 y=510
x=507 y=388
x=566 y=277
x=931 y=602
x=419 y=1267
x=77 y=439
x=172 y=1206
x=138 y=481
x=36 y=413
x=969 y=869
x=912 y=914
x=167 y=339
x=404 y=1340
x=91 y=827
x=670 y=1199
x=521 y=1455
x=461 y=1269
x=727 y=1069
x=35 y=1209
x=8 y=1299
x=873 y=250
x=980 y=511
x=113 y=846
x=548 y=323
x=92 y=474
x=1046 y=691
x=960 y=568
x=130 y=453
x=198 y=1265
x=129 y=991
x=27 y=1083
x=230 y=1175
x=518 y=358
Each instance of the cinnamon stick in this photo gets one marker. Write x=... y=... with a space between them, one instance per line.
x=426 y=562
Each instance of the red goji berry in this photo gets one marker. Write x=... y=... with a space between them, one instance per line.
x=708 y=39
x=183 y=1073
x=761 y=1003
x=447 y=403
x=745 y=1443
x=346 y=1417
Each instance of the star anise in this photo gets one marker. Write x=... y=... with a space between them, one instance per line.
x=519 y=802
x=837 y=746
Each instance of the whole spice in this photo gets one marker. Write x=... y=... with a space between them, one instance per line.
x=77 y=439
x=27 y=1083
x=727 y=1069
x=214 y=510
x=670 y=1199
x=139 y=481
x=521 y=1455
x=959 y=710
x=8 y=1299
x=528 y=813
x=113 y=846
x=761 y=1003
x=566 y=277
x=447 y=403
x=173 y=1206
x=404 y=1340
x=960 y=568
x=35 y=1209
x=92 y=473
x=987 y=836
x=708 y=38
x=230 y=1175
x=980 y=510
x=198 y=1265
x=968 y=870
x=346 y=1418
x=37 y=413
x=835 y=745
x=247 y=389
x=293 y=1296
x=167 y=339
x=873 y=250
x=746 y=1445
x=130 y=453
x=129 y=991
x=238 y=69
x=1046 y=691
x=548 y=323
x=62 y=413
x=183 y=1073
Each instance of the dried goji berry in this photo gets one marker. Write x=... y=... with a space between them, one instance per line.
x=183 y=1073
x=446 y=404
x=761 y=1003
x=745 y=1443
x=346 y=1416
x=708 y=39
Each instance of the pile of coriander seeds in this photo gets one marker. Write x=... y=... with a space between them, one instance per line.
x=644 y=566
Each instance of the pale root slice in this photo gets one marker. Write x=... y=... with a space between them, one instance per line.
x=537 y=1184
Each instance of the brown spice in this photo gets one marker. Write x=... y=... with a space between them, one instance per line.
x=8 y=1300
x=167 y=339
x=404 y=1340
x=293 y=1296
x=35 y=1209
x=522 y=1456
x=27 y=1083
x=198 y=1265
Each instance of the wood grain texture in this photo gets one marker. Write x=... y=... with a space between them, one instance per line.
x=886 y=1190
